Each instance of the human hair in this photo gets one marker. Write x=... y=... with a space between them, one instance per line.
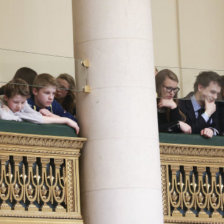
x=161 y=77
x=69 y=101
x=24 y=73
x=44 y=80
x=17 y=87
x=222 y=86
x=156 y=70
x=205 y=78
x=222 y=80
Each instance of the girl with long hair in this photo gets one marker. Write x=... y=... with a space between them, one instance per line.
x=170 y=118
x=65 y=93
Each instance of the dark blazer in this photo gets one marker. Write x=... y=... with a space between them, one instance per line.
x=220 y=111
x=168 y=120
x=197 y=124
x=55 y=108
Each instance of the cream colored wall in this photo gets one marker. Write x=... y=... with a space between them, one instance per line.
x=165 y=33
x=39 y=34
x=189 y=34
x=202 y=37
x=36 y=34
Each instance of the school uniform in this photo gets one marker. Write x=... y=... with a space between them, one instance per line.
x=220 y=111
x=168 y=120
x=54 y=108
x=196 y=116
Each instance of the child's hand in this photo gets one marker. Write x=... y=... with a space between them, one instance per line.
x=185 y=128
x=72 y=124
x=207 y=132
x=210 y=106
x=169 y=103
x=47 y=113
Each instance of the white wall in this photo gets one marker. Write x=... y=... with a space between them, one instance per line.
x=36 y=34
x=165 y=33
x=39 y=34
x=189 y=34
x=202 y=37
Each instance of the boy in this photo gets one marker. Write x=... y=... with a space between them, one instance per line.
x=14 y=106
x=200 y=109
x=44 y=89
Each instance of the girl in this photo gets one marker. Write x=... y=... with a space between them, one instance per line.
x=170 y=117
x=65 y=93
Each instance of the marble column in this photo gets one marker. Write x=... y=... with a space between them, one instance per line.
x=120 y=164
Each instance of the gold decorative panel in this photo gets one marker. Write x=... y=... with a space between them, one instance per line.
x=192 y=183
x=39 y=179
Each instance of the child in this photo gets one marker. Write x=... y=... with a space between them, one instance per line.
x=14 y=106
x=200 y=110
x=170 y=119
x=65 y=94
x=44 y=89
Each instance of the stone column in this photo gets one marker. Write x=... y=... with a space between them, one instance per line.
x=120 y=165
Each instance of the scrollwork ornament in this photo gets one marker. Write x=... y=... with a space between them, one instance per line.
x=35 y=177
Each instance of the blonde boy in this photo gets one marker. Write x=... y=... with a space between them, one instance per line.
x=44 y=89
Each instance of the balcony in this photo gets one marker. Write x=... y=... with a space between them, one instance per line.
x=39 y=181
x=192 y=170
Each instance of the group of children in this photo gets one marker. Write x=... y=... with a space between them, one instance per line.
x=31 y=97
x=197 y=113
x=37 y=104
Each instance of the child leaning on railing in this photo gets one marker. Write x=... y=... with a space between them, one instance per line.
x=14 y=106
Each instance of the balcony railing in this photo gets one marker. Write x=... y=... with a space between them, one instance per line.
x=39 y=177
x=192 y=178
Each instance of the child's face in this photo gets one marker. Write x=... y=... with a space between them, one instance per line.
x=210 y=92
x=169 y=88
x=44 y=96
x=62 y=90
x=15 y=103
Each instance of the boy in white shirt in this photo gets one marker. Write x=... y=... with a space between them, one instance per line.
x=14 y=106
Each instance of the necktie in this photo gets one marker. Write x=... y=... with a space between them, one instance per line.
x=200 y=111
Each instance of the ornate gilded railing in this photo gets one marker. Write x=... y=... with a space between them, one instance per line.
x=192 y=183
x=39 y=179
